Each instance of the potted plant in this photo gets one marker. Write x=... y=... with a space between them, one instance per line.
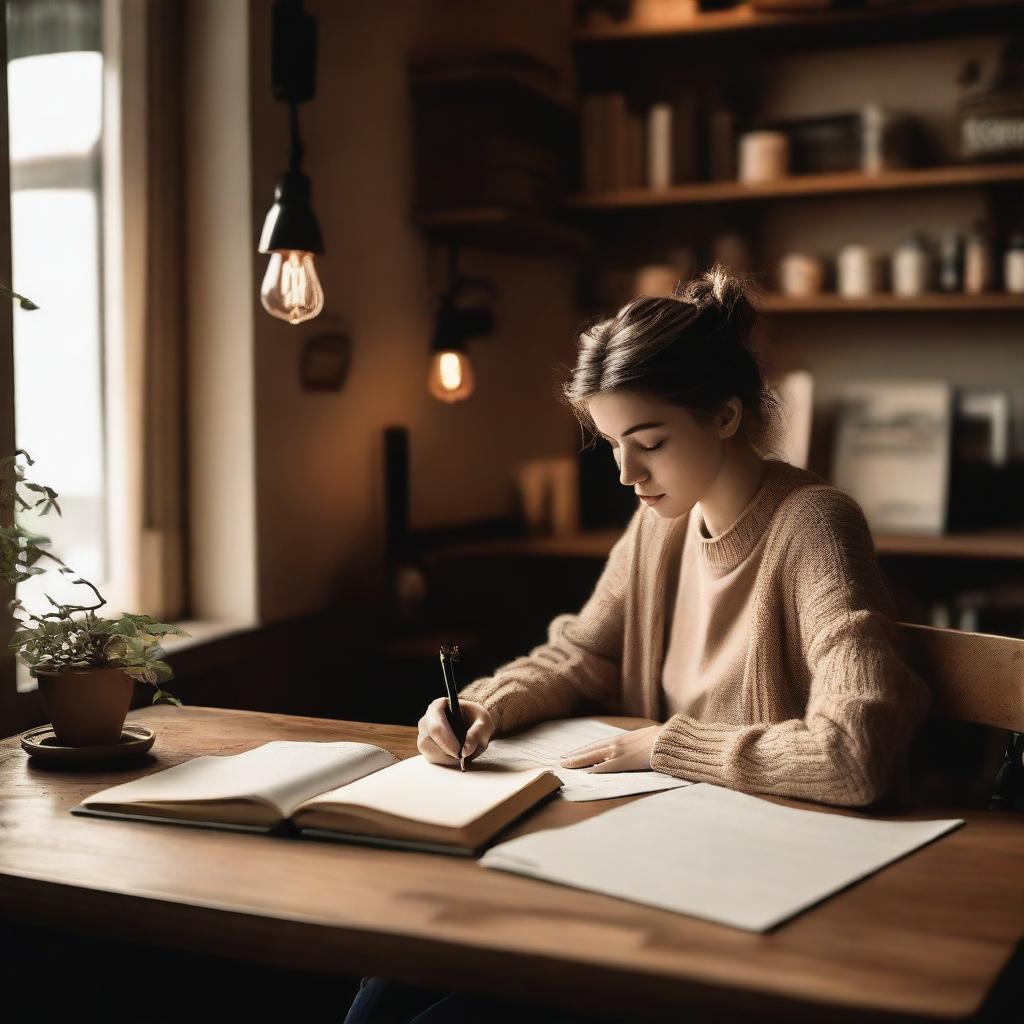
x=86 y=665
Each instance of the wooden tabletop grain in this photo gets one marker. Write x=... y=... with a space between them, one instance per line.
x=924 y=937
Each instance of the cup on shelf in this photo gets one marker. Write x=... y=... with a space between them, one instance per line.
x=565 y=495
x=801 y=275
x=548 y=492
x=764 y=156
x=858 y=272
x=532 y=491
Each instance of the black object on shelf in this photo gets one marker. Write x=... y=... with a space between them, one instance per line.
x=396 y=493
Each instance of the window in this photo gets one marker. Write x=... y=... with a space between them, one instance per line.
x=55 y=123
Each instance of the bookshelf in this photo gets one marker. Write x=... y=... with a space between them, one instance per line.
x=938 y=302
x=703 y=52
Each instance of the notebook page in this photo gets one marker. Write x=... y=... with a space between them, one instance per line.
x=433 y=793
x=715 y=853
x=282 y=773
x=544 y=745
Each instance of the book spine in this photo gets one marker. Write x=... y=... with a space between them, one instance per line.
x=659 y=146
x=615 y=131
x=685 y=139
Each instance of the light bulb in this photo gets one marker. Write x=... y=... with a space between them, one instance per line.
x=291 y=287
x=451 y=376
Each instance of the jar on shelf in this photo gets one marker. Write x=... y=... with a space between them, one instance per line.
x=1013 y=264
x=977 y=261
x=911 y=267
x=858 y=272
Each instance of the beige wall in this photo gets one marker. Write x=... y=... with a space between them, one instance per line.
x=319 y=462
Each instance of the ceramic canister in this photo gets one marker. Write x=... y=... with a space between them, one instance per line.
x=858 y=271
x=764 y=156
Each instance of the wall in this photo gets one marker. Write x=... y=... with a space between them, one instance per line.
x=319 y=462
x=219 y=310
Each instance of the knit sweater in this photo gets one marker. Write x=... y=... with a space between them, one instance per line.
x=824 y=708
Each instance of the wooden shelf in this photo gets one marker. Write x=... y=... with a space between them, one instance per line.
x=987 y=544
x=588 y=544
x=990 y=302
x=744 y=19
x=800 y=186
x=501 y=229
x=1007 y=543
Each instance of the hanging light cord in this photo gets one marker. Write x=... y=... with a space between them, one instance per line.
x=297 y=151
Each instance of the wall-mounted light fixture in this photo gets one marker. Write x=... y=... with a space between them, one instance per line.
x=291 y=287
x=451 y=373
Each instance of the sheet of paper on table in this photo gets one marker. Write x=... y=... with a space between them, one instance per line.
x=545 y=744
x=717 y=854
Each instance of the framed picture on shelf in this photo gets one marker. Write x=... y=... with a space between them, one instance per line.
x=892 y=452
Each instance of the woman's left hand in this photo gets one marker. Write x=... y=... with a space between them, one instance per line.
x=623 y=752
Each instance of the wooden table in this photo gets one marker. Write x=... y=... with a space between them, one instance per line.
x=925 y=937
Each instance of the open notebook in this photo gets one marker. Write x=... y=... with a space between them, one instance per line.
x=352 y=791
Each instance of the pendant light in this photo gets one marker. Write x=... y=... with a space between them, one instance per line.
x=451 y=374
x=291 y=288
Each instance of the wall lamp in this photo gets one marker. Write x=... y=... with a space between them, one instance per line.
x=451 y=374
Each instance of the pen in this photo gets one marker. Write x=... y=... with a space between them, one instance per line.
x=453 y=711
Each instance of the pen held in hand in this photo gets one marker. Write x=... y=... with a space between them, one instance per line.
x=453 y=712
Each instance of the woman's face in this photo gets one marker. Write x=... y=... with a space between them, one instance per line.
x=662 y=451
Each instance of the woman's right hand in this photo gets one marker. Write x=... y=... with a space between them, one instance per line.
x=436 y=741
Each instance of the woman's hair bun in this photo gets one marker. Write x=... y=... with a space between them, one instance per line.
x=728 y=294
x=715 y=287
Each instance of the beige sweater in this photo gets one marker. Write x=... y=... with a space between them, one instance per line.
x=816 y=703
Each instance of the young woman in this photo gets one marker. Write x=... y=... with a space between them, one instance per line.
x=742 y=609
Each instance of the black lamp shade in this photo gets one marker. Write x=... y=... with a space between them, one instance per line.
x=291 y=223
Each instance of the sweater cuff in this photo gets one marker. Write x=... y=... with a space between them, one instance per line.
x=487 y=691
x=691 y=750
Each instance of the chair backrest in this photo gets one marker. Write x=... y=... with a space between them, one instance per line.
x=974 y=677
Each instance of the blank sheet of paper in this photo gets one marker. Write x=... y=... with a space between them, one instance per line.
x=544 y=745
x=716 y=854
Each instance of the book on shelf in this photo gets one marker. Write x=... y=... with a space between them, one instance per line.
x=624 y=146
x=355 y=792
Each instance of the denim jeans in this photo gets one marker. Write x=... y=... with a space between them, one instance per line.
x=380 y=1001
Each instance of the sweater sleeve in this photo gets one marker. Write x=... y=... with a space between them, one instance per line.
x=863 y=702
x=582 y=659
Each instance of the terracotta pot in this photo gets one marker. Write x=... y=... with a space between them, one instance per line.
x=86 y=707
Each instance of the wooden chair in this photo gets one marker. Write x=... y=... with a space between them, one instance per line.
x=979 y=679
